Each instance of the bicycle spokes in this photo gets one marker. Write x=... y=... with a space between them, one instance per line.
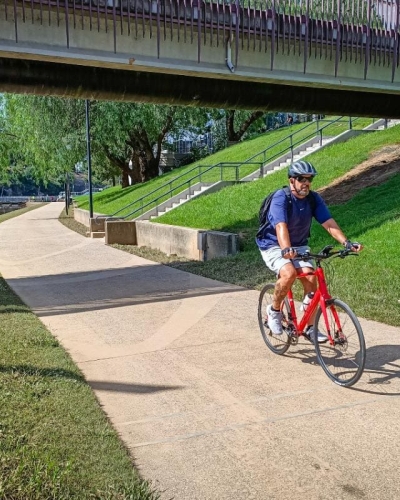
x=278 y=344
x=343 y=357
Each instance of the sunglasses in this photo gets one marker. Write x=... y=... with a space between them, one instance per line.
x=301 y=178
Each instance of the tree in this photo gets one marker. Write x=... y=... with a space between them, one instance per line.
x=48 y=134
x=239 y=122
x=133 y=133
x=8 y=149
x=51 y=134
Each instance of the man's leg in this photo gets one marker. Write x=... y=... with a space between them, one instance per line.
x=286 y=278
x=310 y=285
x=286 y=273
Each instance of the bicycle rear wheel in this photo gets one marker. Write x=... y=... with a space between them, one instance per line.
x=278 y=344
x=343 y=361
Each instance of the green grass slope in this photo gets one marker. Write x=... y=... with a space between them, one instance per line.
x=373 y=217
x=114 y=199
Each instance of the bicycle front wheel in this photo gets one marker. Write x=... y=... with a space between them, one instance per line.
x=344 y=359
x=278 y=344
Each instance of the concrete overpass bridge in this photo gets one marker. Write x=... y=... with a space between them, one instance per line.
x=303 y=55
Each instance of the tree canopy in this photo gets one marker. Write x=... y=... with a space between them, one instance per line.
x=48 y=134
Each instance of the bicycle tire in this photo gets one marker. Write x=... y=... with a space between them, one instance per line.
x=343 y=362
x=278 y=344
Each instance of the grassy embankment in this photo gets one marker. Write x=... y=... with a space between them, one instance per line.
x=55 y=441
x=372 y=216
x=113 y=199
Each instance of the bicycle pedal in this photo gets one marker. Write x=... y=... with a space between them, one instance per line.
x=307 y=337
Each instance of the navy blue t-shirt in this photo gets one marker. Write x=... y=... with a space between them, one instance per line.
x=298 y=219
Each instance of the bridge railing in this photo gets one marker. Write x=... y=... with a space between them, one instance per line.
x=356 y=30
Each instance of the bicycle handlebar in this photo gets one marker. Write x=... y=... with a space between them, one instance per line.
x=325 y=253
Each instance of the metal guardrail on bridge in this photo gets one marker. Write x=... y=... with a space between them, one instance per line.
x=363 y=31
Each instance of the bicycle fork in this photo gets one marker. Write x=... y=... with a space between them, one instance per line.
x=337 y=336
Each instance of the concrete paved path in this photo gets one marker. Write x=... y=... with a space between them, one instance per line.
x=180 y=367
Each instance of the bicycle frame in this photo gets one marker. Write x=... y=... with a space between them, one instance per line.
x=343 y=355
x=321 y=297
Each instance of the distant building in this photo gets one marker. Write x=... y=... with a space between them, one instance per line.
x=186 y=143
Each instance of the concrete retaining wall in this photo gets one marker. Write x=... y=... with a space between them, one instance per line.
x=83 y=216
x=172 y=240
x=219 y=244
x=194 y=244
x=121 y=232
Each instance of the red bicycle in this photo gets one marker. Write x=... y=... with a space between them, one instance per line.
x=342 y=357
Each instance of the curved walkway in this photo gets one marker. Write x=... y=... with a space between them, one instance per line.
x=178 y=364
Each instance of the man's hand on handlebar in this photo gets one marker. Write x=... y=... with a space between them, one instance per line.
x=352 y=246
x=289 y=253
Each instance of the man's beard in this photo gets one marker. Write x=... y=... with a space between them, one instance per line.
x=303 y=191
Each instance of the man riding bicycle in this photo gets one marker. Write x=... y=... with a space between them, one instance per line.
x=286 y=232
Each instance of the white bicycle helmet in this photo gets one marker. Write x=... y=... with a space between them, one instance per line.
x=301 y=168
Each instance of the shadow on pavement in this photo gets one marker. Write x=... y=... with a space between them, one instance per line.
x=103 y=385
x=382 y=367
x=68 y=293
x=100 y=385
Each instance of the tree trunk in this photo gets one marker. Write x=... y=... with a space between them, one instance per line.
x=126 y=172
x=125 y=179
x=236 y=135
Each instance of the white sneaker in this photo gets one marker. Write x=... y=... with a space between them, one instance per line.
x=321 y=337
x=274 y=319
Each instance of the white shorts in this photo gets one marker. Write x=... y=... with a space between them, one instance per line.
x=274 y=260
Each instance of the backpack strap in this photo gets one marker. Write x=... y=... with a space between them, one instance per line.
x=288 y=194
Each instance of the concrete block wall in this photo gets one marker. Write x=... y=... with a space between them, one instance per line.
x=121 y=232
x=83 y=216
x=194 y=244
x=172 y=240
x=220 y=244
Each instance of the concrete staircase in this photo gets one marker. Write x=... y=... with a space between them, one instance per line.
x=300 y=152
x=202 y=188
x=284 y=161
x=382 y=124
x=177 y=200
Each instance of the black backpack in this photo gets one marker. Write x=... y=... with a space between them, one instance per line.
x=262 y=214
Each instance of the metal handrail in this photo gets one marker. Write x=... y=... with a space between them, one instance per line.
x=148 y=194
x=248 y=161
x=304 y=139
x=237 y=165
x=297 y=132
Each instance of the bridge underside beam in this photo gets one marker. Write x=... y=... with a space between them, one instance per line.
x=81 y=82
